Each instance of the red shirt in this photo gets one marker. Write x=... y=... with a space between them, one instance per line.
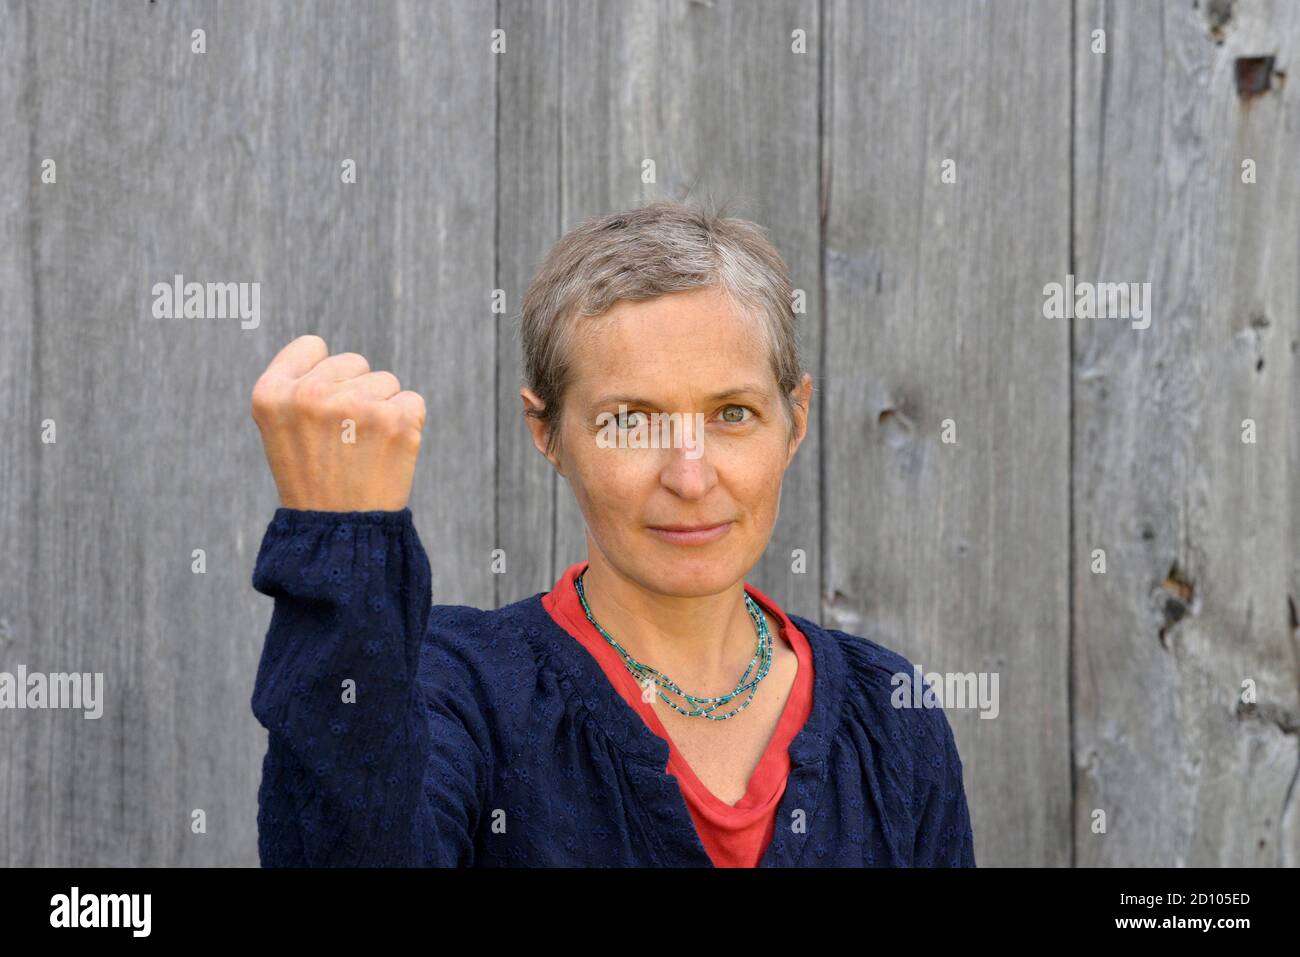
x=733 y=835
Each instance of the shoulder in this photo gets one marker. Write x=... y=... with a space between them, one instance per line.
x=485 y=647
x=495 y=654
x=883 y=698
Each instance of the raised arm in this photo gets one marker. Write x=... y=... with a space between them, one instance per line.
x=363 y=766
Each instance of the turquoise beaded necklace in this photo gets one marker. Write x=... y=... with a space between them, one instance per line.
x=644 y=673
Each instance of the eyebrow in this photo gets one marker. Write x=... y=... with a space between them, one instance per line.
x=615 y=398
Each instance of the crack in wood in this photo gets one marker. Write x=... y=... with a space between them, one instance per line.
x=1272 y=713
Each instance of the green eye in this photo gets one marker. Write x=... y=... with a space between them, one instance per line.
x=623 y=420
x=742 y=408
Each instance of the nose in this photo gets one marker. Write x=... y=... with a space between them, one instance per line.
x=688 y=472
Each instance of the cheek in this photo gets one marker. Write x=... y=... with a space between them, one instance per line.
x=609 y=482
x=754 y=477
x=621 y=473
x=762 y=496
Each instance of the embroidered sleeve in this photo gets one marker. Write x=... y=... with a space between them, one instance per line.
x=360 y=769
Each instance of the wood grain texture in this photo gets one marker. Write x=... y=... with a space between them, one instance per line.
x=220 y=166
x=1198 y=527
x=954 y=554
x=21 y=807
x=530 y=77
x=1118 y=692
x=714 y=95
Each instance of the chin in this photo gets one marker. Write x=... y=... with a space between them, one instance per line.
x=687 y=572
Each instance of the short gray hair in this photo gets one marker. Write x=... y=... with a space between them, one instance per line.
x=659 y=248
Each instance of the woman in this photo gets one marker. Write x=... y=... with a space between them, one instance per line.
x=651 y=708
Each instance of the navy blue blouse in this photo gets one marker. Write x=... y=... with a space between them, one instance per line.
x=402 y=733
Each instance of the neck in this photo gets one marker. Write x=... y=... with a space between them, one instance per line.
x=702 y=642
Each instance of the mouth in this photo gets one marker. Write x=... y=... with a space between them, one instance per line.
x=690 y=534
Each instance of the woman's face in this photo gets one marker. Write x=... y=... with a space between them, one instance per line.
x=683 y=353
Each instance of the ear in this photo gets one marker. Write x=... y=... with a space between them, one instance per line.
x=538 y=427
x=802 y=396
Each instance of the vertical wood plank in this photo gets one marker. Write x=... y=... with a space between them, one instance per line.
x=226 y=166
x=20 y=446
x=1197 y=527
x=528 y=220
x=954 y=555
x=715 y=96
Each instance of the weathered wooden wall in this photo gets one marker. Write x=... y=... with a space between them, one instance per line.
x=1119 y=691
x=1199 y=528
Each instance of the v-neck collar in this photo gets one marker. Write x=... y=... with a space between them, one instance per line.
x=772 y=769
x=680 y=844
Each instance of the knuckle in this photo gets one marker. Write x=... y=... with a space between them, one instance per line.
x=309 y=396
x=361 y=414
x=265 y=399
x=415 y=409
x=355 y=358
x=374 y=415
x=407 y=438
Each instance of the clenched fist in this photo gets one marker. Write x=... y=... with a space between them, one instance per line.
x=338 y=437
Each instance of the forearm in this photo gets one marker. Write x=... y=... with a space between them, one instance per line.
x=336 y=689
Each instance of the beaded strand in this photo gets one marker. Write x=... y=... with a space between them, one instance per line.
x=644 y=674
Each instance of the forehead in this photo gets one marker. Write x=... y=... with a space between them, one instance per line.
x=694 y=339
